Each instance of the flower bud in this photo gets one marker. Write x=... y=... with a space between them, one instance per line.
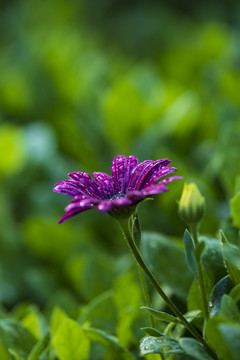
x=191 y=205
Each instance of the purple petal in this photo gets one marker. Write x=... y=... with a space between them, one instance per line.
x=131 y=164
x=104 y=181
x=81 y=203
x=145 y=171
x=118 y=173
x=170 y=179
x=105 y=205
x=70 y=214
x=67 y=187
x=135 y=196
x=155 y=175
x=160 y=187
x=79 y=175
x=155 y=189
x=86 y=185
x=122 y=168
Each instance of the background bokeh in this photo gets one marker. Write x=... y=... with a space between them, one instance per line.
x=83 y=81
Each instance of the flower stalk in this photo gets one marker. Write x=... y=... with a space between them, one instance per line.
x=194 y=231
x=192 y=210
x=135 y=252
x=136 y=235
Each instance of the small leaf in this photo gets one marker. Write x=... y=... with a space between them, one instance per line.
x=159 y=345
x=235 y=293
x=70 y=341
x=194 y=314
x=16 y=337
x=160 y=315
x=160 y=253
x=194 y=297
x=39 y=348
x=152 y=332
x=215 y=339
x=235 y=209
x=58 y=316
x=189 y=252
x=194 y=349
x=180 y=329
x=229 y=309
x=222 y=287
x=231 y=334
x=14 y=355
x=212 y=259
x=228 y=256
x=103 y=338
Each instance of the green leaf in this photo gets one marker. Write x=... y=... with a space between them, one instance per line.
x=231 y=335
x=32 y=322
x=39 y=348
x=14 y=336
x=103 y=338
x=160 y=253
x=58 y=316
x=179 y=329
x=70 y=341
x=100 y=312
x=229 y=309
x=215 y=338
x=194 y=297
x=127 y=299
x=4 y=354
x=14 y=355
x=194 y=314
x=152 y=332
x=235 y=293
x=190 y=253
x=160 y=315
x=224 y=338
x=222 y=287
x=193 y=348
x=235 y=209
x=212 y=259
x=228 y=251
x=159 y=345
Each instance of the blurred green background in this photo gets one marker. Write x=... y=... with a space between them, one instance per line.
x=83 y=81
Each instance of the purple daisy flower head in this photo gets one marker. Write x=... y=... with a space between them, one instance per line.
x=119 y=193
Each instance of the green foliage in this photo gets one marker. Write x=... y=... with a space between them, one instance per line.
x=80 y=82
x=70 y=341
x=235 y=209
x=192 y=348
x=15 y=338
x=166 y=269
x=190 y=253
x=159 y=345
x=161 y=315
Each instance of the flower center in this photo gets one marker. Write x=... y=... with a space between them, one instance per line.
x=117 y=196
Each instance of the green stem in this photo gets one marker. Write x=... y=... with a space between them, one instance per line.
x=145 y=293
x=136 y=235
x=200 y=274
x=168 y=301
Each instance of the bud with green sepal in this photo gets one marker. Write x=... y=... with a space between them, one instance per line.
x=191 y=209
x=191 y=205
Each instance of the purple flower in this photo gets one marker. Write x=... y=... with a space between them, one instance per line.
x=118 y=194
